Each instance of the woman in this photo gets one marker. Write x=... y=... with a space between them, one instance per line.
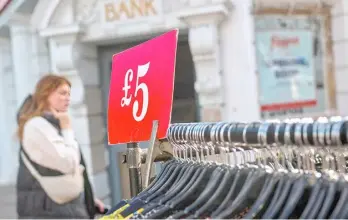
x=52 y=180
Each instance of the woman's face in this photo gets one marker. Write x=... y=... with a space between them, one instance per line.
x=60 y=98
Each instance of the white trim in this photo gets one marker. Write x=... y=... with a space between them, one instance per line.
x=3 y=118
x=200 y=15
x=66 y=30
x=291 y=4
x=43 y=13
x=18 y=18
x=51 y=45
x=203 y=10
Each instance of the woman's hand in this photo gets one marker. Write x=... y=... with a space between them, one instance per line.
x=63 y=117
x=100 y=205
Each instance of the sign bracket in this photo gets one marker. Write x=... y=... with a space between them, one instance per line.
x=134 y=167
x=152 y=151
x=156 y=147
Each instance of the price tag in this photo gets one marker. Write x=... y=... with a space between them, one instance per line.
x=4 y=4
x=141 y=90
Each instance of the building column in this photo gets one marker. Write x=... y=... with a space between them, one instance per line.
x=21 y=47
x=20 y=41
x=40 y=58
x=30 y=56
x=204 y=21
x=78 y=63
x=339 y=17
x=7 y=116
x=25 y=62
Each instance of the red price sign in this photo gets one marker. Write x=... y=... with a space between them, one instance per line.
x=141 y=90
x=3 y=4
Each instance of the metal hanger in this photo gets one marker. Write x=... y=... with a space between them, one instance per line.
x=175 y=132
x=283 y=178
x=252 y=185
x=203 y=173
x=178 y=173
x=271 y=181
x=167 y=166
x=324 y=138
x=195 y=169
x=331 y=175
x=218 y=137
x=174 y=138
x=301 y=182
x=239 y=174
x=288 y=179
x=189 y=173
x=302 y=140
x=207 y=169
x=316 y=196
x=213 y=181
x=337 y=129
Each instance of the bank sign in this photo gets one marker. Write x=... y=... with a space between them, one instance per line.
x=124 y=11
x=286 y=69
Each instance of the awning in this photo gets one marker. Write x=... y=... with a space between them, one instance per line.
x=290 y=6
x=7 y=9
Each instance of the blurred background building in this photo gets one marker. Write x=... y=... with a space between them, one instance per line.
x=239 y=60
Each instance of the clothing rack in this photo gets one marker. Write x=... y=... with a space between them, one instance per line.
x=321 y=132
x=196 y=188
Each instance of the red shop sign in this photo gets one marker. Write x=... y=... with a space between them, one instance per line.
x=141 y=90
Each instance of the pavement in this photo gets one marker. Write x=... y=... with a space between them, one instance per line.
x=7 y=202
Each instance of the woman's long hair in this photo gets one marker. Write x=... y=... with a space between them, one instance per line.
x=37 y=104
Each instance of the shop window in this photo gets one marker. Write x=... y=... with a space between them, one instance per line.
x=294 y=61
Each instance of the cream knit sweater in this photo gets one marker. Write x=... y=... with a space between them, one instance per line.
x=47 y=148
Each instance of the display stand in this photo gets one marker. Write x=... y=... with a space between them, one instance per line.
x=134 y=167
x=158 y=150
